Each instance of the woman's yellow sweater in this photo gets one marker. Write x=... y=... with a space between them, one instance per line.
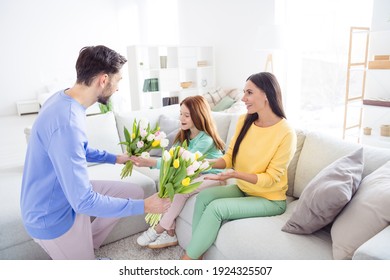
x=267 y=152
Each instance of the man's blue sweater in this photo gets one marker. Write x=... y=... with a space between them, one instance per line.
x=55 y=183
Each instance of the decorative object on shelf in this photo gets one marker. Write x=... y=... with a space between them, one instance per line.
x=170 y=100
x=380 y=62
x=163 y=61
x=367 y=130
x=150 y=85
x=385 y=130
x=377 y=102
x=202 y=63
x=186 y=84
x=204 y=83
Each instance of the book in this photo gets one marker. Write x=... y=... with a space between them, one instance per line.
x=153 y=84
x=146 y=85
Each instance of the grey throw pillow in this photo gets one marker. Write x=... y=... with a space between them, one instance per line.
x=326 y=194
x=171 y=127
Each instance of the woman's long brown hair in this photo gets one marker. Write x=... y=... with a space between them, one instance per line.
x=268 y=83
x=201 y=116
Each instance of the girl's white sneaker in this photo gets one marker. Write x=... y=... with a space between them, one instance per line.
x=164 y=240
x=147 y=237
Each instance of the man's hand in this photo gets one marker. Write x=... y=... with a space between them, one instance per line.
x=156 y=205
x=122 y=159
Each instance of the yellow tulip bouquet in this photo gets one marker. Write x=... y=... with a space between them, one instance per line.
x=179 y=168
x=141 y=140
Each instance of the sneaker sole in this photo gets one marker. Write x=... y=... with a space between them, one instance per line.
x=159 y=246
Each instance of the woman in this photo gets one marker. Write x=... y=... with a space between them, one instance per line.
x=258 y=156
x=198 y=129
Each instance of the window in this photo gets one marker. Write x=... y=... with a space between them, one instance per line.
x=316 y=48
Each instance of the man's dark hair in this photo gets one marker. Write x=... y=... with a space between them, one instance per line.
x=94 y=60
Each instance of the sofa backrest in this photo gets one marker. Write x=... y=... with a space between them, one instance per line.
x=319 y=150
x=102 y=133
x=301 y=135
x=226 y=125
x=225 y=122
x=126 y=119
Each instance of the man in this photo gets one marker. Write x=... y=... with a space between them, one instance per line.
x=57 y=198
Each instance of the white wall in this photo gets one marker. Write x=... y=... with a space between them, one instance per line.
x=231 y=26
x=41 y=40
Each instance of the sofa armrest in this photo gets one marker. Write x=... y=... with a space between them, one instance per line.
x=376 y=248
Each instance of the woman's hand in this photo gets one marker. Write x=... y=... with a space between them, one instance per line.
x=223 y=176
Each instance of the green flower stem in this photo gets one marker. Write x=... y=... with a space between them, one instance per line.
x=127 y=169
x=153 y=219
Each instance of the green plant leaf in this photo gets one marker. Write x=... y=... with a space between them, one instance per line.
x=181 y=174
x=190 y=188
x=170 y=190
x=127 y=135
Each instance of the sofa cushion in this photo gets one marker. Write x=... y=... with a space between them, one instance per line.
x=254 y=238
x=214 y=96
x=231 y=129
x=126 y=119
x=171 y=127
x=102 y=133
x=225 y=103
x=301 y=135
x=366 y=215
x=376 y=248
x=238 y=107
x=318 y=151
x=222 y=122
x=326 y=195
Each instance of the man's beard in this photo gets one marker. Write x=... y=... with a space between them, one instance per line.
x=103 y=99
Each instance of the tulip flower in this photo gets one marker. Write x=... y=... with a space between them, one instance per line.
x=141 y=140
x=179 y=167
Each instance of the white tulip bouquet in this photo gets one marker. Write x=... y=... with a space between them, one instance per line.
x=141 y=140
x=179 y=168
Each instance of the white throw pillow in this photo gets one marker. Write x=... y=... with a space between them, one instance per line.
x=102 y=133
x=366 y=215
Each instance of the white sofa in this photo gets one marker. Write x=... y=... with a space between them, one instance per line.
x=255 y=238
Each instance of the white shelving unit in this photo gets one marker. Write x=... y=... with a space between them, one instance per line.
x=182 y=64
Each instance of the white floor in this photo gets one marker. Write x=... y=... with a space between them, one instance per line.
x=13 y=142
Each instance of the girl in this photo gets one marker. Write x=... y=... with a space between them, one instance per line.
x=259 y=153
x=199 y=130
